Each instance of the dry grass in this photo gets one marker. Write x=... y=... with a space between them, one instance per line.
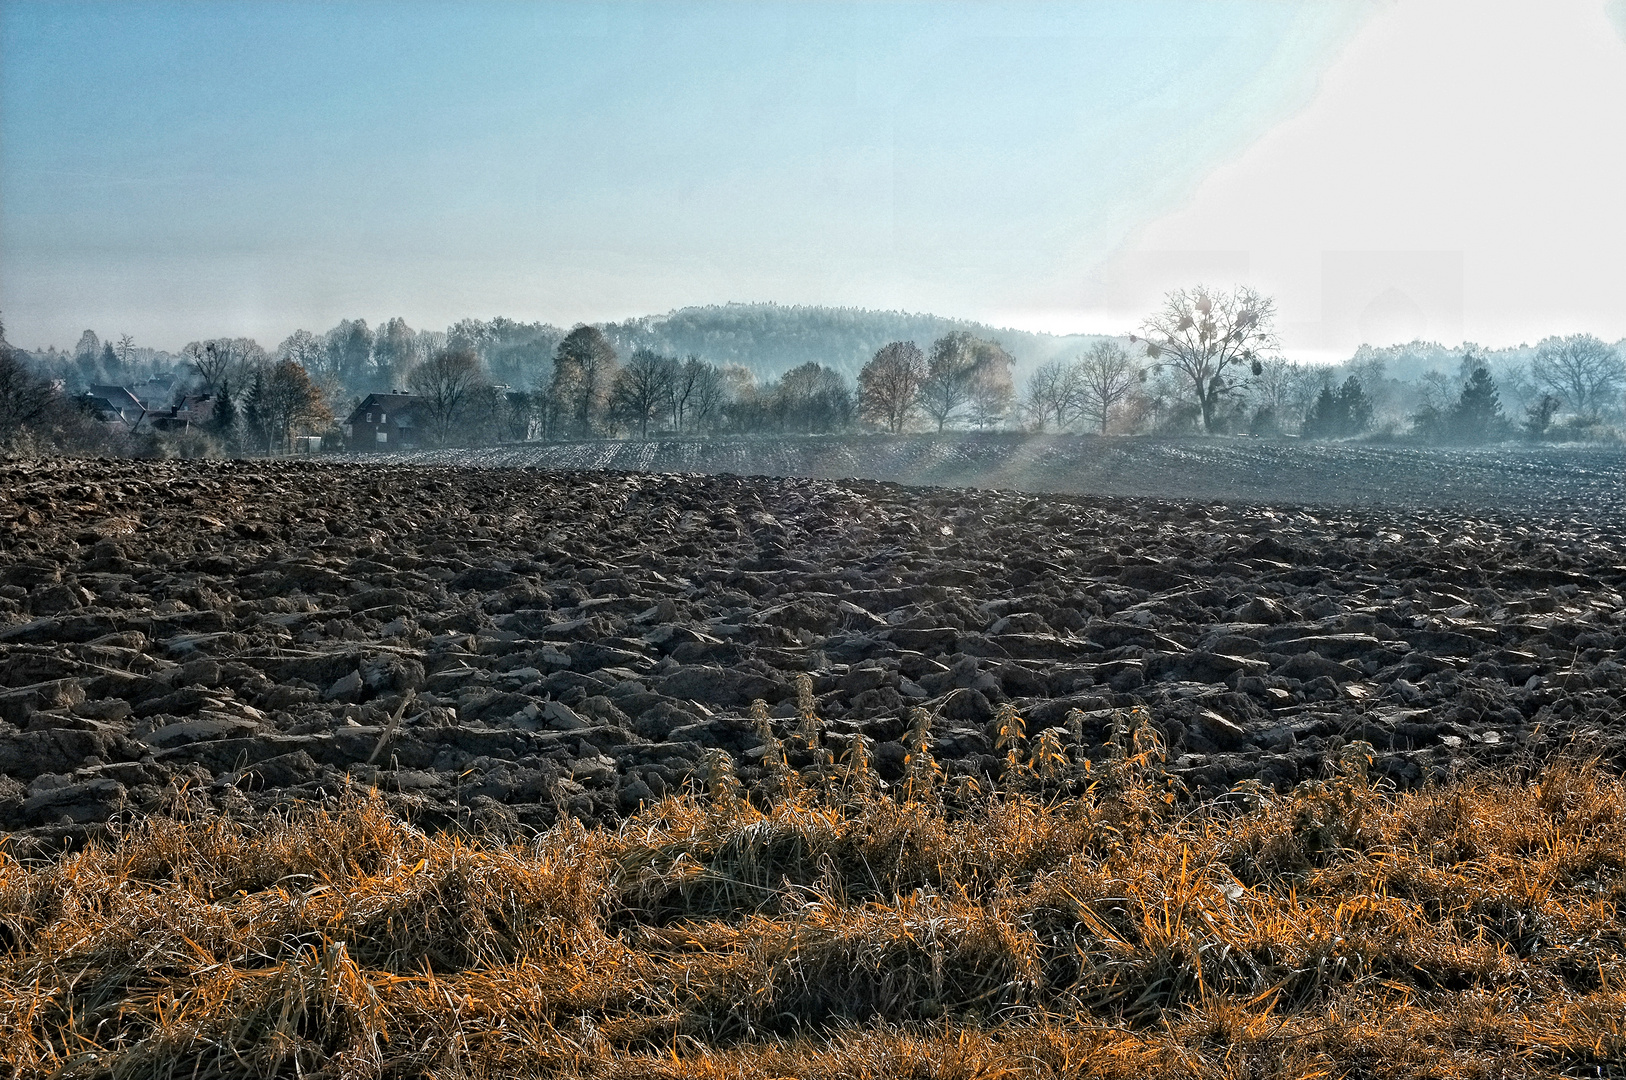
x=1470 y=931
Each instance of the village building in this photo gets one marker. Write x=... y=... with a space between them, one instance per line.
x=114 y=405
x=124 y=406
x=383 y=422
x=193 y=410
x=155 y=393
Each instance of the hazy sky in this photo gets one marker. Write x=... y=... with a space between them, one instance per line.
x=1461 y=173
x=175 y=171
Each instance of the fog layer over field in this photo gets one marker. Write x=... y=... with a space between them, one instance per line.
x=1583 y=482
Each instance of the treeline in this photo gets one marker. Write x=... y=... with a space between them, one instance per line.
x=1208 y=362
x=766 y=339
x=1570 y=388
x=590 y=392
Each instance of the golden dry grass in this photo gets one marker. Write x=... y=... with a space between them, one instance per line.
x=1470 y=931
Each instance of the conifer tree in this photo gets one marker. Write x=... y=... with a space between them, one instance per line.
x=1477 y=416
x=223 y=422
x=1354 y=407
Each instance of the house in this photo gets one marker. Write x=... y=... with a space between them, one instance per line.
x=124 y=405
x=156 y=392
x=383 y=422
x=193 y=410
x=114 y=405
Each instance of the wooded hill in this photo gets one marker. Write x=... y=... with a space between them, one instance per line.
x=772 y=338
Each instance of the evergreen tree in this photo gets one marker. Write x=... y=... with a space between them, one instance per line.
x=1477 y=416
x=112 y=369
x=89 y=347
x=1354 y=407
x=1323 y=421
x=223 y=422
x=1341 y=413
x=256 y=429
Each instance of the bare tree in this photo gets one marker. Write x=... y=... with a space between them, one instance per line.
x=1053 y=394
x=1584 y=372
x=320 y=362
x=285 y=400
x=1517 y=381
x=813 y=399
x=643 y=390
x=949 y=375
x=889 y=385
x=1106 y=375
x=991 y=386
x=350 y=351
x=305 y=349
x=584 y=367
x=1435 y=390
x=1281 y=393
x=219 y=359
x=125 y=348
x=485 y=416
x=1201 y=334
x=444 y=385
x=521 y=415
x=395 y=352
x=207 y=360
x=705 y=403
x=691 y=376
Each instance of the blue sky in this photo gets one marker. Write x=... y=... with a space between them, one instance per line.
x=1444 y=168
x=182 y=170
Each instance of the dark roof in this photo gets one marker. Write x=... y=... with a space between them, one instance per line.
x=389 y=403
x=117 y=397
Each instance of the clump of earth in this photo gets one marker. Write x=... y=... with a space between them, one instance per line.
x=494 y=648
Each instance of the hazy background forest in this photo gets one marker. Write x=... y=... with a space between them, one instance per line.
x=741 y=369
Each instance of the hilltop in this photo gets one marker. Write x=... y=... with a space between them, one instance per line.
x=771 y=338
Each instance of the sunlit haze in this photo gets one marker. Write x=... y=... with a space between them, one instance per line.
x=1458 y=176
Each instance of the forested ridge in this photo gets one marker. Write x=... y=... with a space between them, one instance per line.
x=771 y=338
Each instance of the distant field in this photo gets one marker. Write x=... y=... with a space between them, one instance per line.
x=1585 y=482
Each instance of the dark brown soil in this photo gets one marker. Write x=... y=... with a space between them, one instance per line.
x=495 y=647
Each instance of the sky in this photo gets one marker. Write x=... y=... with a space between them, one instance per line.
x=1459 y=175
x=1385 y=168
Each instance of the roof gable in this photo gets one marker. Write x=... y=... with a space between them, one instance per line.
x=390 y=404
x=119 y=397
